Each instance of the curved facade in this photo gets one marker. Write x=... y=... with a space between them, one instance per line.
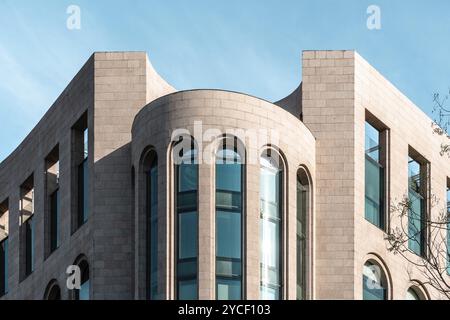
x=221 y=114
x=129 y=189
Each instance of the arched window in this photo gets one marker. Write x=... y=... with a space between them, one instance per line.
x=411 y=294
x=186 y=204
x=375 y=285
x=52 y=292
x=150 y=170
x=84 y=292
x=229 y=217
x=303 y=209
x=271 y=212
x=416 y=292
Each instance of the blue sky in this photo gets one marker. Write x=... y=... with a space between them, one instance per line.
x=245 y=45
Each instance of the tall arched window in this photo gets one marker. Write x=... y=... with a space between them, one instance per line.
x=303 y=207
x=84 y=292
x=375 y=285
x=271 y=212
x=150 y=169
x=229 y=217
x=186 y=204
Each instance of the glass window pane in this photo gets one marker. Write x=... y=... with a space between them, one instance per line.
x=187 y=177
x=414 y=175
x=416 y=207
x=54 y=220
x=4 y=267
x=270 y=226
x=269 y=189
x=374 y=193
x=269 y=293
x=152 y=229
x=228 y=289
x=84 y=291
x=228 y=238
x=372 y=142
x=187 y=290
x=374 y=287
x=187 y=235
x=228 y=267
x=187 y=269
x=228 y=177
x=29 y=245
x=412 y=295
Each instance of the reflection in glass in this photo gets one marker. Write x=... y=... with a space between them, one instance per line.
x=374 y=178
x=416 y=210
x=271 y=181
x=228 y=223
x=187 y=225
x=374 y=282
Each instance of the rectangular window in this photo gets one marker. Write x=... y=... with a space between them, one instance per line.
x=4 y=232
x=375 y=173
x=418 y=169
x=27 y=226
x=52 y=216
x=80 y=172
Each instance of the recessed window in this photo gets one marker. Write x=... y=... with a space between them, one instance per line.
x=303 y=209
x=80 y=172
x=186 y=203
x=4 y=233
x=53 y=210
x=375 y=173
x=150 y=164
x=229 y=180
x=270 y=224
x=53 y=291
x=418 y=169
x=27 y=226
x=414 y=293
x=84 y=292
x=374 y=282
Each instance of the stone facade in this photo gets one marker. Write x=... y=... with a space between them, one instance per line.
x=130 y=109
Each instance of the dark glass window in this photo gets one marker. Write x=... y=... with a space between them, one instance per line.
x=152 y=227
x=303 y=195
x=374 y=177
x=29 y=245
x=52 y=204
x=3 y=266
x=84 y=292
x=271 y=182
x=186 y=169
x=80 y=172
x=374 y=282
x=417 y=206
x=229 y=223
x=54 y=220
x=83 y=192
x=54 y=294
x=27 y=227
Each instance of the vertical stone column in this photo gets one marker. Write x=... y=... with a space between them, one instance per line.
x=206 y=215
x=328 y=107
